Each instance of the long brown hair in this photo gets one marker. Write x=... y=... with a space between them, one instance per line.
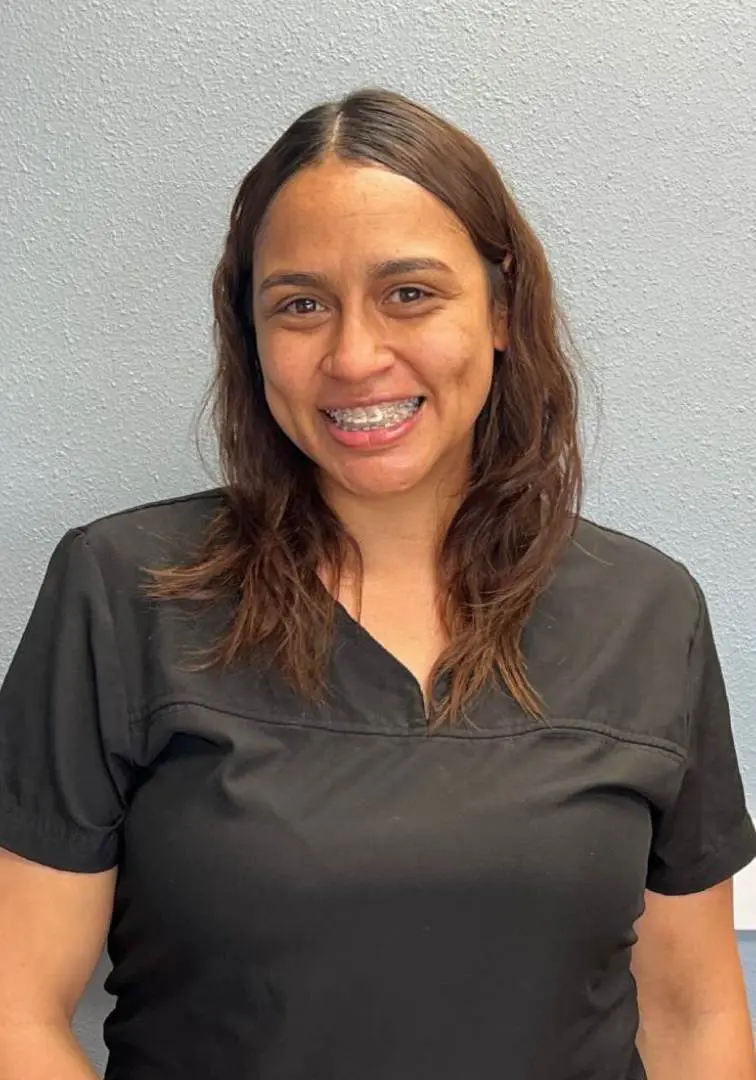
x=274 y=534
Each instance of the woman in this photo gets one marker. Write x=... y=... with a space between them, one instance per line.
x=379 y=761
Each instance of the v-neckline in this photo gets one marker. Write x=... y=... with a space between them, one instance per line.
x=358 y=631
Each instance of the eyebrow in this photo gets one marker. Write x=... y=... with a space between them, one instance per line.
x=377 y=271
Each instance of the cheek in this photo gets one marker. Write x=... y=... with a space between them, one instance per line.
x=283 y=395
x=462 y=361
x=285 y=375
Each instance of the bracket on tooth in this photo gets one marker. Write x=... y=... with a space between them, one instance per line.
x=374 y=416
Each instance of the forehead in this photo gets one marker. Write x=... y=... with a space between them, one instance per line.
x=348 y=208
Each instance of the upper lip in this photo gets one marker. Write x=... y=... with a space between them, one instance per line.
x=366 y=402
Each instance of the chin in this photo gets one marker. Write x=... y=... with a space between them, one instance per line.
x=376 y=487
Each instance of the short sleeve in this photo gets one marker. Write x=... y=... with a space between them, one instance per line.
x=707 y=834
x=64 y=750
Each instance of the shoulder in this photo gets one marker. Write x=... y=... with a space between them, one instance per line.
x=612 y=634
x=150 y=535
x=628 y=574
x=103 y=566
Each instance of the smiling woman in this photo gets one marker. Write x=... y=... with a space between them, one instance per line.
x=378 y=761
x=388 y=342
x=382 y=395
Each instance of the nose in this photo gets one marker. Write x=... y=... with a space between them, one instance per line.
x=357 y=350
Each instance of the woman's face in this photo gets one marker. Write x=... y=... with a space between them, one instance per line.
x=376 y=368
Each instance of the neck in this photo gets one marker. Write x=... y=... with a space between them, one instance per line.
x=398 y=535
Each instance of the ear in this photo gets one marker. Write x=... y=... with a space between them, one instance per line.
x=500 y=329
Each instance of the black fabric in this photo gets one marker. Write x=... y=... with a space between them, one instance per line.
x=328 y=892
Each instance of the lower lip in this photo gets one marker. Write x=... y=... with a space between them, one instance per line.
x=375 y=439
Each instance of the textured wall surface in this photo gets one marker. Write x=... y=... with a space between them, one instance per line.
x=625 y=132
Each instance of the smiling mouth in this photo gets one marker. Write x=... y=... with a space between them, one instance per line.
x=373 y=417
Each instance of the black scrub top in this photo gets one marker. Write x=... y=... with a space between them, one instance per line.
x=331 y=893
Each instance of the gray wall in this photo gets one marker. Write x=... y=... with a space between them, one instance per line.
x=625 y=131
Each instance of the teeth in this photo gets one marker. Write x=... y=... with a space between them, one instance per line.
x=375 y=416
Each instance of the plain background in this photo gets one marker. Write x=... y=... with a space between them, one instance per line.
x=625 y=131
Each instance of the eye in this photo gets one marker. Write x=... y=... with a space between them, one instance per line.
x=424 y=294
x=294 y=306
x=288 y=308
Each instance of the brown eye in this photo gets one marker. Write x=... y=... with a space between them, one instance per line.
x=289 y=310
x=423 y=293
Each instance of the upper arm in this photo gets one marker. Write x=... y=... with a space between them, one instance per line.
x=703 y=833
x=686 y=961
x=53 y=924
x=65 y=744
x=65 y=771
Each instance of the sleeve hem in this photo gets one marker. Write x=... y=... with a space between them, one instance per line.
x=59 y=852
x=736 y=852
